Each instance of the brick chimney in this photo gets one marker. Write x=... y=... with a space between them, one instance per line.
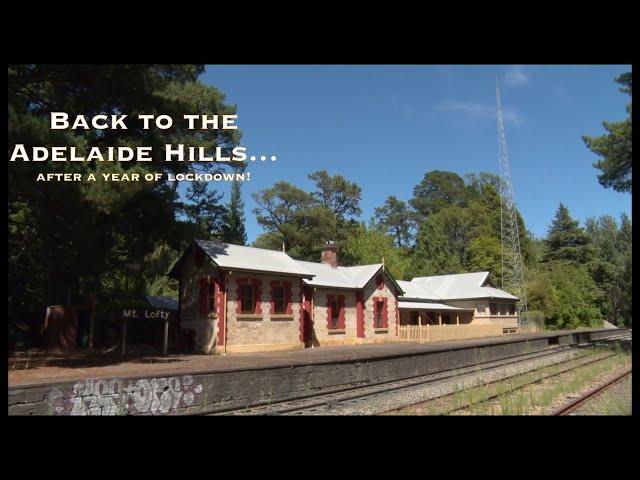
x=330 y=254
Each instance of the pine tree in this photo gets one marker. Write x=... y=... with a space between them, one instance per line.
x=566 y=241
x=614 y=148
x=233 y=230
x=397 y=220
x=204 y=211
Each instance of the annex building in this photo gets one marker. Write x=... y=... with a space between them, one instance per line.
x=243 y=299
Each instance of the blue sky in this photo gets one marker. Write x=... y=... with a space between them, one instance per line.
x=384 y=127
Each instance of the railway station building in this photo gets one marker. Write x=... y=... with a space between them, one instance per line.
x=243 y=299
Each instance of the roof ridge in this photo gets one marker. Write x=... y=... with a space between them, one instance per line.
x=454 y=274
x=245 y=246
x=307 y=261
x=360 y=266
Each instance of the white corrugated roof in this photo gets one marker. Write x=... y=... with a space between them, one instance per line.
x=429 y=306
x=497 y=293
x=238 y=257
x=439 y=288
x=416 y=290
x=340 y=277
x=362 y=273
x=462 y=285
x=326 y=276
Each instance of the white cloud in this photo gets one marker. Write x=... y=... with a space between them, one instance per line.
x=481 y=110
x=515 y=77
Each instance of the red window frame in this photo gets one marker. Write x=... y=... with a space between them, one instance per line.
x=335 y=303
x=247 y=306
x=202 y=296
x=279 y=299
x=379 y=316
x=256 y=307
x=334 y=308
x=380 y=312
x=287 y=307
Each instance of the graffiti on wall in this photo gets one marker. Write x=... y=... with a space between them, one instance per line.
x=113 y=396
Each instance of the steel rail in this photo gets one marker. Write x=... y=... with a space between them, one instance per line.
x=520 y=387
x=570 y=407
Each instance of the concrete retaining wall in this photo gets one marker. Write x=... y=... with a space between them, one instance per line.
x=217 y=391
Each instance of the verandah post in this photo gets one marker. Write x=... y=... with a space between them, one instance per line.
x=165 y=346
x=124 y=335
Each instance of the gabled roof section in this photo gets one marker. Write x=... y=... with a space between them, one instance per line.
x=417 y=291
x=362 y=274
x=443 y=283
x=250 y=259
x=326 y=276
x=344 y=277
x=461 y=286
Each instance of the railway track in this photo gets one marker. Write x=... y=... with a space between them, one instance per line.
x=514 y=389
x=590 y=395
x=313 y=403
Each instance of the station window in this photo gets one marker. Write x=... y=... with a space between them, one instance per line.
x=278 y=300
x=379 y=319
x=512 y=309
x=493 y=309
x=247 y=298
x=415 y=318
x=503 y=309
x=335 y=314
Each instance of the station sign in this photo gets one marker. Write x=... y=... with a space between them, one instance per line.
x=146 y=313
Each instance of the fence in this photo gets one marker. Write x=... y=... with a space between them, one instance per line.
x=438 y=333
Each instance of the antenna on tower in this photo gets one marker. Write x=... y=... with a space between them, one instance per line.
x=512 y=264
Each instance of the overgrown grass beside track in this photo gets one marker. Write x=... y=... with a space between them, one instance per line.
x=530 y=393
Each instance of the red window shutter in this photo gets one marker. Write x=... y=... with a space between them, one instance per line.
x=385 y=313
x=329 y=312
x=239 y=283
x=272 y=295
x=211 y=293
x=257 y=291
x=287 y=298
x=203 y=295
x=341 y=322
x=220 y=289
x=360 y=314
x=219 y=283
